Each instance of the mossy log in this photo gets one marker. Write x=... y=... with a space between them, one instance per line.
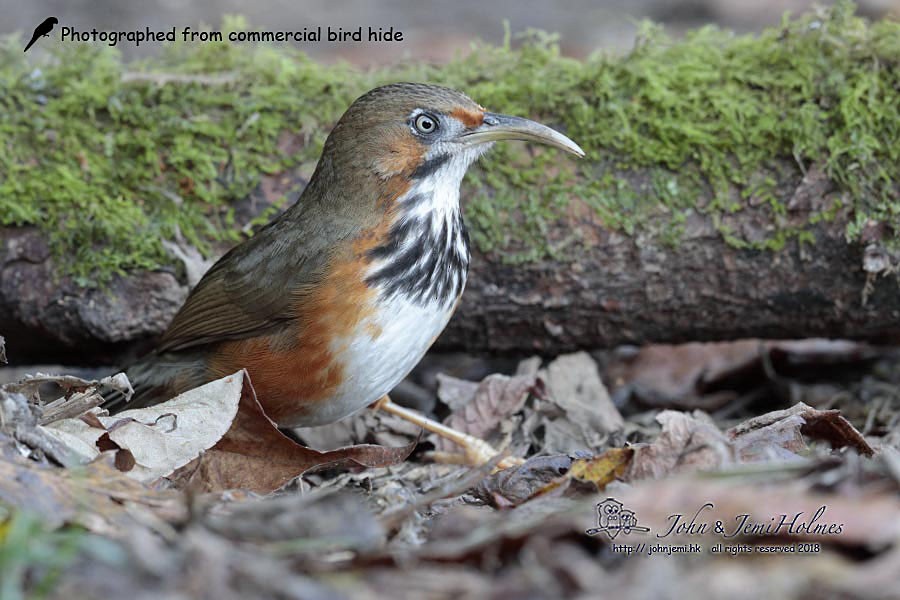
x=612 y=289
x=734 y=186
x=632 y=289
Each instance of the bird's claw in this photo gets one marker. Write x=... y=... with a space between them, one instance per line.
x=476 y=451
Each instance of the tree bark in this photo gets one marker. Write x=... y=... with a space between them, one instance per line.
x=48 y=318
x=614 y=289
x=636 y=290
x=632 y=291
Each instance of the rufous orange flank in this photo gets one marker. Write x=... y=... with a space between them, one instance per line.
x=335 y=301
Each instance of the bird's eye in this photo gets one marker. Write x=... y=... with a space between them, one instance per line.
x=425 y=124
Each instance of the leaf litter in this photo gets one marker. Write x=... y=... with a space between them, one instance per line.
x=204 y=497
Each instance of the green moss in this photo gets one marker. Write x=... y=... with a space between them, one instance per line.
x=110 y=166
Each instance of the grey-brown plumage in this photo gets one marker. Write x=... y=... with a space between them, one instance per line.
x=332 y=303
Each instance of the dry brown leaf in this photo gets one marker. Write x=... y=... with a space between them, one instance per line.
x=511 y=487
x=708 y=375
x=542 y=475
x=495 y=399
x=597 y=471
x=455 y=392
x=256 y=456
x=687 y=442
x=578 y=414
x=783 y=428
x=167 y=436
x=467 y=531
x=79 y=435
x=779 y=440
x=668 y=376
x=79 y=399
x=695 y=443
x=97 y=496
x=574 y=384
x=366 y=426
x=157 y=440
x=574 y=412
x=335 y=518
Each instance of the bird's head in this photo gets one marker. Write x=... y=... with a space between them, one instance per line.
x=412 y=131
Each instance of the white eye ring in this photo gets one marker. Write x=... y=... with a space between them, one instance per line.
x=425 y=124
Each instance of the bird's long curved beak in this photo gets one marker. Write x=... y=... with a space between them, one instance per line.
x=504 y=127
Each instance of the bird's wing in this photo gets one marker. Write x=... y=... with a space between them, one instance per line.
x=253 y=288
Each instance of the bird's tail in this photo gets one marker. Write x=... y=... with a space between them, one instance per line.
x=156 y=378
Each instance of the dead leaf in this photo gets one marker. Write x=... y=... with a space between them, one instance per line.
x=694 y=442
x=603 y=469
x=779 y=440
x=709 y=375
x=598 y=471
x=78 y=435
x=541 y=475
x=783 y=428
x=19 y=420
x=158 y=439
x=578 y=414
x=573 y=412
x=364 y=426
x=494 y=400
x=337 y=519
x=574 y=384
x=687 y=442
x=511 y=487
x=480 y=532
x=79 y=395
x=254 y=455
x=454 y=392
x=97 y=495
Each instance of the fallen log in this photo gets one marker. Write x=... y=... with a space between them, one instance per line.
x=621 y=289
x=610 y=289
x=735 y=186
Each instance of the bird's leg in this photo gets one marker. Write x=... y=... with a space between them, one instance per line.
x=476 y=451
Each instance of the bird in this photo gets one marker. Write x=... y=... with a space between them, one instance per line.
x=334 y=302
x=42 y=30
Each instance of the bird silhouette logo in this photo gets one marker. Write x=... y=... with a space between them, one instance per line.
x=613 y=518
x=42 y=30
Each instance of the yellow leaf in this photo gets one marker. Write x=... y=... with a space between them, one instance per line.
x=601 y=470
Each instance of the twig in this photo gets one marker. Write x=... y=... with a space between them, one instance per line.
x=69 y=407
x=73 y=403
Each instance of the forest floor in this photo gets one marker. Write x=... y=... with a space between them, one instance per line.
x=752 y=469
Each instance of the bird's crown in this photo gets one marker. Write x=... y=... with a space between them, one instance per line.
x=392 y=130
x=395 y=129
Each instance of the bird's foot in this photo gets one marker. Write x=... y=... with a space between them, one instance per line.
x=476 y=451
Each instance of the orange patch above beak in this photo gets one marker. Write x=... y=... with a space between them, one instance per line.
x=469 y=118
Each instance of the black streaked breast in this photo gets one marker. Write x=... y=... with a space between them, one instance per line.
x=425 y=257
